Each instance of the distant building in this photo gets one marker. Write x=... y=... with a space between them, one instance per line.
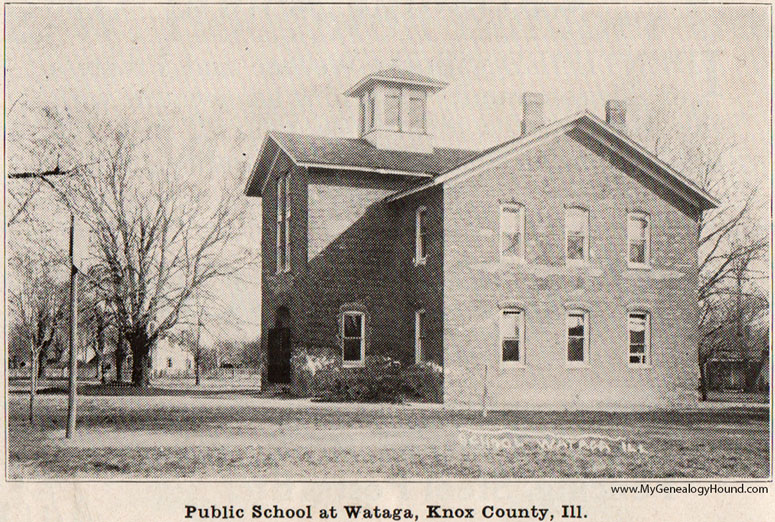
x=170 y=358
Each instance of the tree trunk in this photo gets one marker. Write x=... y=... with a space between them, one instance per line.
x=120 y=358
x=196 y=370
x=42 y=360
x=100 y=370
x=100 y=349
x=141 y=350
x=33 y=383
x=703 y=383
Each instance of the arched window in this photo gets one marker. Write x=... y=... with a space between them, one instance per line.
x=353 y=338
x=638 y=239
x=512 y=235
x=419 y=335
x=577 y=330
x=639 y=338
x=576 y=234
x=420 y=235
x=512 y=336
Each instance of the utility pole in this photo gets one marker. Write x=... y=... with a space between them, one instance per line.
x=72 y=397
x=71 y=403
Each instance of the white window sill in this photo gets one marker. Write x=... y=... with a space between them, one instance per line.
x=512 y=365
x=639 y=366
x=638 y=266
x=577 y=263
x=576 y=365
x=353 y=364
x=420 y=262
x=513 y=260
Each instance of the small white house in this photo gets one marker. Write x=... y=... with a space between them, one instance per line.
x=171 y=359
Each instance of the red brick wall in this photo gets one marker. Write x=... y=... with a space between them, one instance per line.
x=283 y=289
x=351 y=233
x=422 y=285
x=570 y=170
x=343 y=250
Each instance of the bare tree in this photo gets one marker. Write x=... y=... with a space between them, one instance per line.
x=39 y=303
x=731 y=241
x=158 y=235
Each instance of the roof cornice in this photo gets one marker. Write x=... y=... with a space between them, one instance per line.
x=367 y=81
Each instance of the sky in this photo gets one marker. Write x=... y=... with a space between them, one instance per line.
x=214 y=69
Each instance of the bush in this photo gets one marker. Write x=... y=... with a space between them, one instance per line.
x=383 y=379
x=362 y=387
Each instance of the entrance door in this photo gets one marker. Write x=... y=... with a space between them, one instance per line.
x=279 y=355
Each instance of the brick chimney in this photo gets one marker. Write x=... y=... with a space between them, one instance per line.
x=616 y=114
x=532 y=112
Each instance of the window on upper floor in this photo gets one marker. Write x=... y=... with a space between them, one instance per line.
x=420 y=236
x=287 y=245
x=512 y=235
x=393 y=108
x=512 y=337
x=353 y=339
x=576 y=234
x=638 y=239
x=639 y=338
x=283 y=229
x=419 y=336
x=577 y=328
x=417 y=113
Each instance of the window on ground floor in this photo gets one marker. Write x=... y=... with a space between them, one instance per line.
x=419 y=336
x=353 y=339
x=639 y=334
x=577 y=326
x=512 y=337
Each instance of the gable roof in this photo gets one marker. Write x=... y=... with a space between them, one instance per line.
x=355 y=154
x=598 y=130
x=394 y=75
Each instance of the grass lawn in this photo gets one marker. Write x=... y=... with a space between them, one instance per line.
x=240 y=436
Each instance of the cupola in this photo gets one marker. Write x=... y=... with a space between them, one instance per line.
x=393 y=109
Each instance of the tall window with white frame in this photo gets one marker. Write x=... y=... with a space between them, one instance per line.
x=280 y=230
x=512 y=337
x=283 y=257
x=353 y=339
x=639 y=334
x=638 y=239
x=287 y=245
x=419 y=336
x=577 y=327
x=512 y=236
x=420 y=236
x=576 y=234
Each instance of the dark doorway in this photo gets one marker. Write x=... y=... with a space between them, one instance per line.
x=279 y=341
x=279 y=355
